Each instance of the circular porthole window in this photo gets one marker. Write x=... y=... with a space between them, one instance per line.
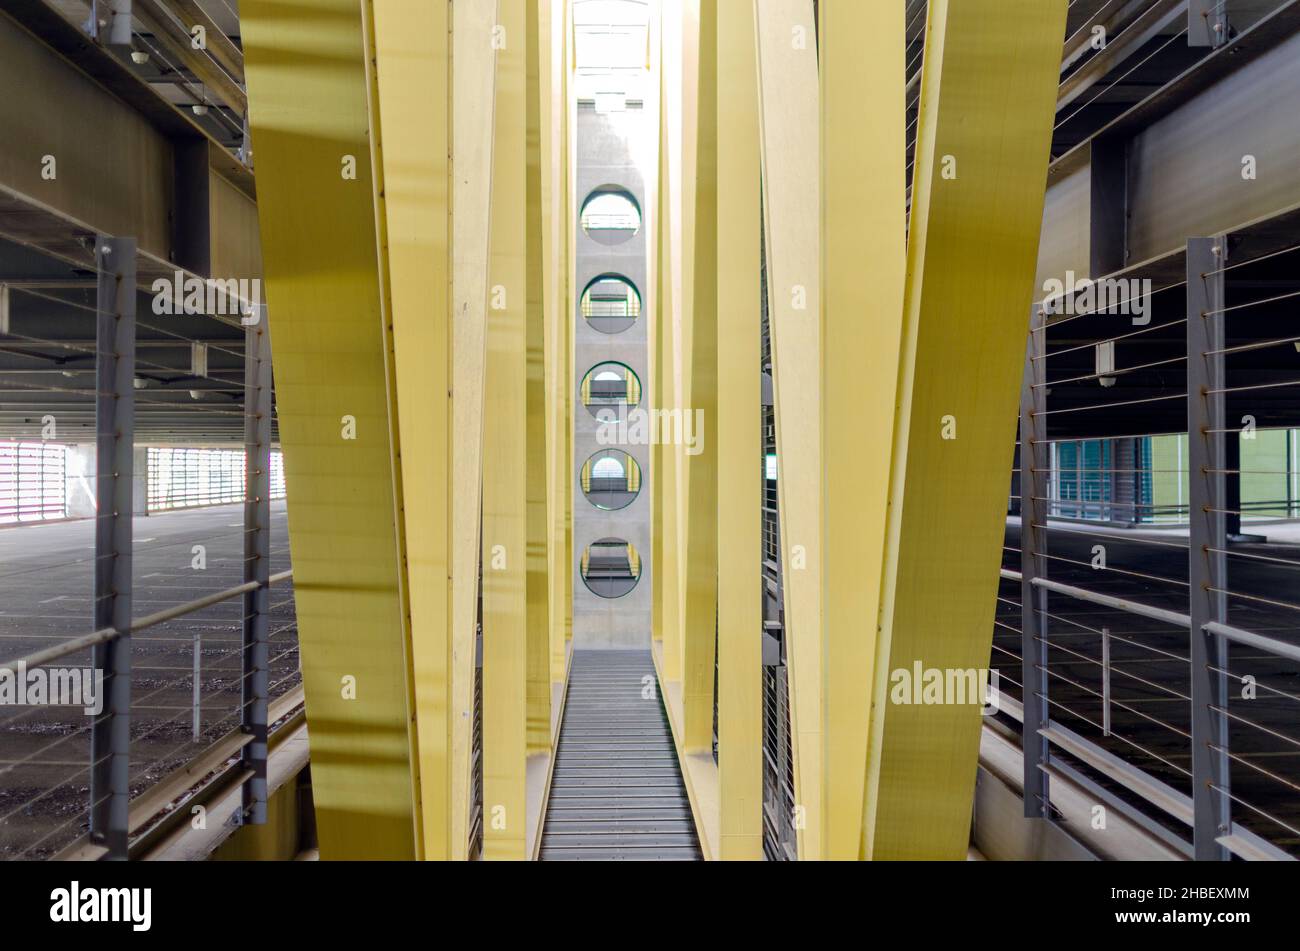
x=611 y=479
x=611 y=304
x=611 y=567
x=609 y=390
x=610 y=215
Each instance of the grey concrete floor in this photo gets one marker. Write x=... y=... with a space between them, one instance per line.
x=46 y=596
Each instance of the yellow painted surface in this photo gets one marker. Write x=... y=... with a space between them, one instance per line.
x=505 y=509
x=570 y=174
x=410 y=43
x=789 y=122
x=971 y=258
x=678 y=257
x=535 y=448
x=433 y=334
x=279 y=840
x=700 y=333
x=665 y=459
x=654 y=324
x=737 y=437
x=699 y=773
x=307 y=85
x=863 y=204
x=473 y=84
x=556 y=272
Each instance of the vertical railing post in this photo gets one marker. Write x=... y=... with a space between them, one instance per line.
x=196 y=690
x=110 y=735
x=1207 y=540
x=257 y=560
x=1207 y=23
x=1034 y=462
x=1105 y=681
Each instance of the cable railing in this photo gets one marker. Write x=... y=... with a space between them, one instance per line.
x=1148 y=639
x=132 y=675
x=160 y=699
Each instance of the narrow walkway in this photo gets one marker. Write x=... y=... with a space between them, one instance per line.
x=617 y=791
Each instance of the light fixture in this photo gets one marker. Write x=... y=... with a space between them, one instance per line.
x=139 y=383
x=139 y=57
x=200 y=109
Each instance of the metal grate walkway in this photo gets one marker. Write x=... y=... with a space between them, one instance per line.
x=617 y=791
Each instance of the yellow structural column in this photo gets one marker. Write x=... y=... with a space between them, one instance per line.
x=787 y=60
x=555 y=280
x=410 y=137
x=738 y=437
x=568 y=300
x=654 y=332
x=474 y=85
x=863 y=208
x=505 y=483
x=701 y=332
x=306 y=73
x=679 y=258
x=988 y=94
x=664 y=470
x=535 y=448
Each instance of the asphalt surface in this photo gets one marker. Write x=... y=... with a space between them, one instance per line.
x=46 y=597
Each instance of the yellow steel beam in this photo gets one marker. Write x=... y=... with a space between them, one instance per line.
x=555 y=277
x=305 y=65
x=988 y=93
x=410 y=138
x=655 y=333
x=679 y=259
x=684 y=343
x=569 y=301
x=700 y=334
x=474 y=85
x=787 y=61
x=505 y=490
x=535 y=449
x=667 y=465
x=863 y=208
x=737 y=438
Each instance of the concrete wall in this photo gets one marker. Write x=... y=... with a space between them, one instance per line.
x=605 y=157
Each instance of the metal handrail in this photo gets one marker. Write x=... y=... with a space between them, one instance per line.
x=104 y=635
x=1237 y=635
